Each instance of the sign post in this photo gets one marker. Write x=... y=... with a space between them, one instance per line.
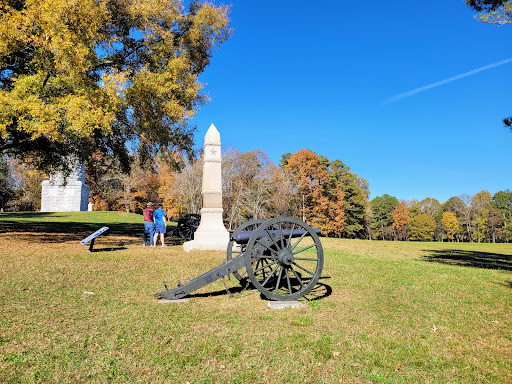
x=93 y=237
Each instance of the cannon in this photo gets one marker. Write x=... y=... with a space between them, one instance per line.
x=186 y=226
x=282 y=258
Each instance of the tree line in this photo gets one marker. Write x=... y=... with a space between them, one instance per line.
x=325 y=193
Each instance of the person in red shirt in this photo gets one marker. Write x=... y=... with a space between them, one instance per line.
x=149 y=224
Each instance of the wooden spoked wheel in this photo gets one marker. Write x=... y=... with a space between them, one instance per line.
x=187 y=226
x=280 y=265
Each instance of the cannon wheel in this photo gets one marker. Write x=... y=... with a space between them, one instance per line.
x=187 y=225
x=240 y=248
x=282 y=267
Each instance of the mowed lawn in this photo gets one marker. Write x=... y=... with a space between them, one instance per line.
x=392 y=312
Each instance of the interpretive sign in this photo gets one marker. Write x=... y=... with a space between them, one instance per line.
x=92 y=237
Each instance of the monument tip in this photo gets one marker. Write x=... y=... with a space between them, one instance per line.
x=212 y=135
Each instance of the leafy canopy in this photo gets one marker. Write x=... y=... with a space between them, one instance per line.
x=450 y=224
x=401 y=217
x=422 y=227
x=322 y=197
x=492 y=11
x=77 y=76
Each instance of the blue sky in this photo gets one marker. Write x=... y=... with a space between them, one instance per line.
x=365 y=83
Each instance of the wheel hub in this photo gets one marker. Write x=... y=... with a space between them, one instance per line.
x=285 y=257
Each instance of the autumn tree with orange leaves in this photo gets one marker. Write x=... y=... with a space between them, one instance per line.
x=322 y=203
x=401 y=217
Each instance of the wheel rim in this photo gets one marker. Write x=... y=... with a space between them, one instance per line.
x=235 y=249
x=283 y=267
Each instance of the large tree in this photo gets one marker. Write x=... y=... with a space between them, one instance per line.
x=461 y=207
x=450 y=225
x=253 y=188
x=381 y=220
x=502 y=201
x=77 y=76
x=401 y=217
x=321 y=196
x=422 y=227
x=355 y=191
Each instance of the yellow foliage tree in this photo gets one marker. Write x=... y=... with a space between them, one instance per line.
x=76 y=76
x=450 y=224
x=422 y=227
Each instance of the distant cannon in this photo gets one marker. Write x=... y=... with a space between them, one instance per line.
x=282 y=258
x=187 y=226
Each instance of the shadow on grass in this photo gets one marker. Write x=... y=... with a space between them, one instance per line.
x=507 y=284
x=58 y=232
x=231 y=291
x=108 y=249
x=473 y=259
x=319 y=291
x=76 y=229
x=33 y=214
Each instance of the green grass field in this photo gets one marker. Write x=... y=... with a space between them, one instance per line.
x=391 y=312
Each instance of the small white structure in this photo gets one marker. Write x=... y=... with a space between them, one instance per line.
x=211 y=233
x=60 y=194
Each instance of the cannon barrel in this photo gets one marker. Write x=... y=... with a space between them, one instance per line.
x=244 y=236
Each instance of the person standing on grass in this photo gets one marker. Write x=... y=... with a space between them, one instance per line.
x=160 y=225
x=149 y=224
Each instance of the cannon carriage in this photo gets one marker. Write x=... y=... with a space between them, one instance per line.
x=282 y=258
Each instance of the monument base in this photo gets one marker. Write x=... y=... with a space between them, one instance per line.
x=72 y=197
x=211 y=235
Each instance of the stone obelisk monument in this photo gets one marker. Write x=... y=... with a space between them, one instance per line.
x=60 y=194
x=211 y=233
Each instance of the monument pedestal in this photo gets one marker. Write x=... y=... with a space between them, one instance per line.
x=211 y=234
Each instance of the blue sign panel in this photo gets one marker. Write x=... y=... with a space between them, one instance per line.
x=94 y=235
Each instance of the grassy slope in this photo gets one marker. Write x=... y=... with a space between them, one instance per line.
x=388 y=312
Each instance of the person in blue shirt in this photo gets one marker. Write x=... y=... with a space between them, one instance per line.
x=160 y=224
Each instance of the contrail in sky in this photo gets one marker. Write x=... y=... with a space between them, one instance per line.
x=446 y=81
